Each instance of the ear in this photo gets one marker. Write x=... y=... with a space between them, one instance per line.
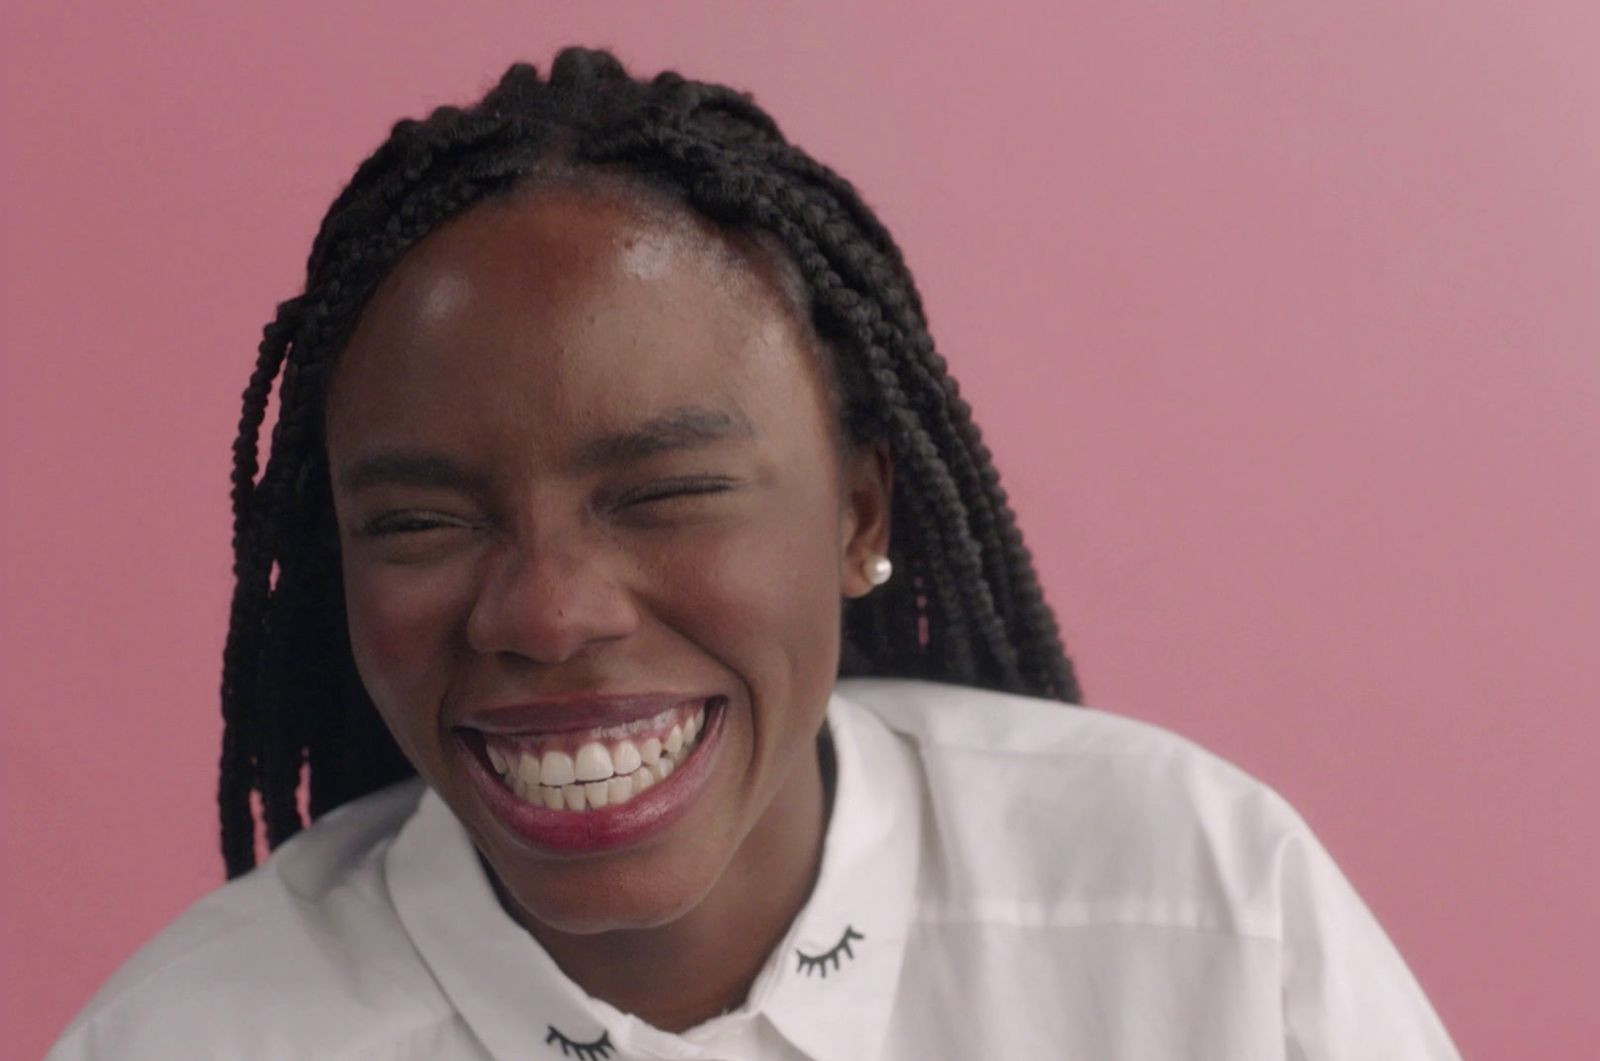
x=866 y=485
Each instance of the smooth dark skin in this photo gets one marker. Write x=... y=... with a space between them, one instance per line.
x=530 y=542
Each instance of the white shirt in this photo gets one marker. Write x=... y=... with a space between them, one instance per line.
x=1002 y=878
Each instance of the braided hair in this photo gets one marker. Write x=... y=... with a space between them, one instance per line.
x=967 y=608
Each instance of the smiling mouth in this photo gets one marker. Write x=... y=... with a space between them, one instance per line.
x=587 y=770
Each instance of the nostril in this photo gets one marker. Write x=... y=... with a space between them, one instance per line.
x=550 y=625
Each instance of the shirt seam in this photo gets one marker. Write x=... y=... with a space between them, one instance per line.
x=935 y=916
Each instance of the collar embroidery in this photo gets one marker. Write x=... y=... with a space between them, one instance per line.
x=832 y=959
x=596 y=1051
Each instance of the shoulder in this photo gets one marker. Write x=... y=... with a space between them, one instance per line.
x=1025 y=735
x=1162 y=862
x=1076 y=813
x=307 y=932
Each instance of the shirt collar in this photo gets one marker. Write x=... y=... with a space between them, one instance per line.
x=506 y=988
x=828 y=989
x=834 y=990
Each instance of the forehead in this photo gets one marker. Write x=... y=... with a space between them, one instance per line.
x=568 y=309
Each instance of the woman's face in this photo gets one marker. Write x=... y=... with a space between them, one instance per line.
x=588 y=494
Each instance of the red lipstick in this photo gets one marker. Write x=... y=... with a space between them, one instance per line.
x=567 y=713
x=596 y=830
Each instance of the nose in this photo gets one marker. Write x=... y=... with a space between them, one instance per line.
x=548 y=604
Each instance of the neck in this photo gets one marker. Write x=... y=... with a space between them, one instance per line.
x=683 y=973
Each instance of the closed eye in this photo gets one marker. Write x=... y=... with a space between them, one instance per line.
x=833 y=959
x=596 y=1051
x=668 y=489
x=411 y=521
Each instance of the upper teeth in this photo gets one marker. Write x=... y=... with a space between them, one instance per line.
x=598 y=774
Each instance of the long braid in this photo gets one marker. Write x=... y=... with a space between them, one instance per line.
x=953 y=565
x=971 y=464
x=263 y=746
x=967 y=606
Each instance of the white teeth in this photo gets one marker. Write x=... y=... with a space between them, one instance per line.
x=625 y=758
x=598 y=775
x=594 y=762
x=557 y=769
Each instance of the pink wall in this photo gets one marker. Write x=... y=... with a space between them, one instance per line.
x=1284 y=319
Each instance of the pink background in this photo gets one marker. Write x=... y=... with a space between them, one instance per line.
x=1283 y=319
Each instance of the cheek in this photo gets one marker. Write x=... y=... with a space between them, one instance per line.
x=766 y=601
x=402 y=632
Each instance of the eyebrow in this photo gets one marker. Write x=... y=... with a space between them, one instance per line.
x=682 y=428
x=410 y=468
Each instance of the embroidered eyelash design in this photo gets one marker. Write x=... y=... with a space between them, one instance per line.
x=831 y=960
x=596 y=1051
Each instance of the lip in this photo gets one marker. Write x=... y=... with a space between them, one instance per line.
x=567 y=713
x=606 y=829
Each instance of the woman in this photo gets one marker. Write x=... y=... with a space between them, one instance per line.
x=610 y=436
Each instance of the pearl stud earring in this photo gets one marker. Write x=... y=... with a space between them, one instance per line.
x=879 y=568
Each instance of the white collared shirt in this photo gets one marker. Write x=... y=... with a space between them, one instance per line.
x=1002 y=877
